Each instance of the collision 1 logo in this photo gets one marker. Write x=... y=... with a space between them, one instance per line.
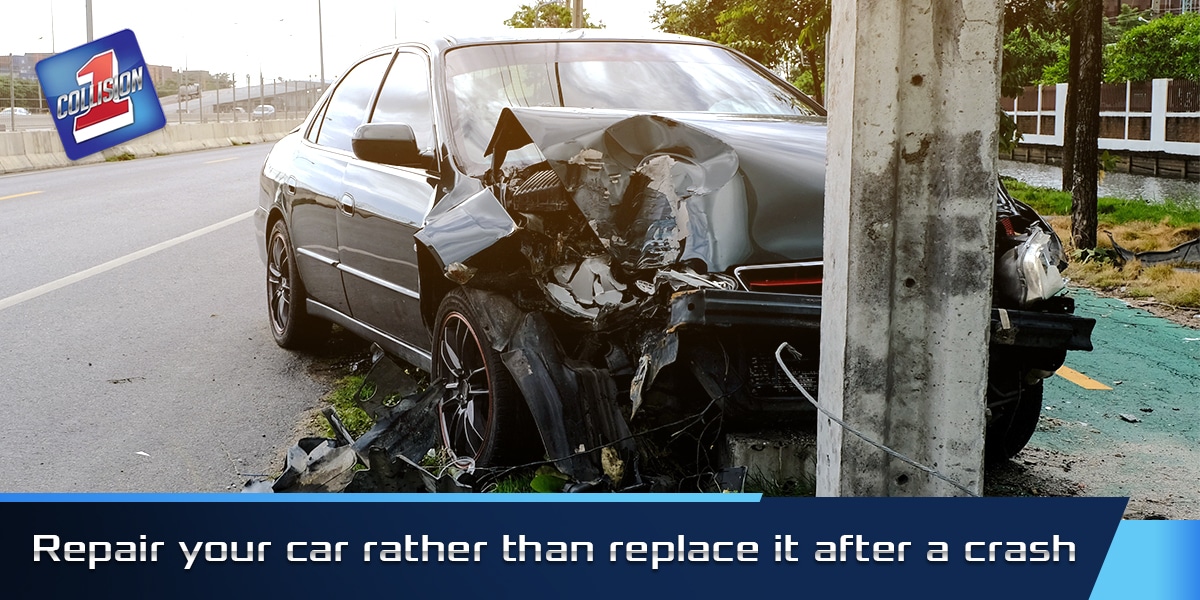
x=100 y=94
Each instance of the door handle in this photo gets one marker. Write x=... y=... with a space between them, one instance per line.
x=347 y=203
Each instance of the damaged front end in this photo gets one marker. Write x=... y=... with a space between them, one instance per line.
x=596 y=238
x=634 y=273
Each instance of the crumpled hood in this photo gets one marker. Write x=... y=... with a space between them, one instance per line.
x=658 y=189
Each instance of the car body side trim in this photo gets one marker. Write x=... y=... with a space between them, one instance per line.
x=319 y=257
x=404 y=350
x=399 y=289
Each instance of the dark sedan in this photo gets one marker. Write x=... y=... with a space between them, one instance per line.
x=576 y=232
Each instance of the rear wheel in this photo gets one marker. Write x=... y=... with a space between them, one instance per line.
x=1015 y=406
x=291 y=324
x=483 y=417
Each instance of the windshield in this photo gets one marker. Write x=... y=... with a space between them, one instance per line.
x=661 y=77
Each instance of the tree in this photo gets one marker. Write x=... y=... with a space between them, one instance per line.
x=1035 y=34
x=25 y=91
x=697 y=18
x=1166 y=48
x=1085 y=83
x=1028 y=54
x=785 y=35
x=547 y=15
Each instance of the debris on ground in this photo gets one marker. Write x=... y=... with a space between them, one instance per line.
x=400 y=453
x=1186 y=254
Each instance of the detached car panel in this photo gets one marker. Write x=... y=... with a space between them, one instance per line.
x=582 y=236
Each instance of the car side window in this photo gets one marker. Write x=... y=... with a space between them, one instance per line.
x=315 y=128
x=348 y=106
x=405 y=98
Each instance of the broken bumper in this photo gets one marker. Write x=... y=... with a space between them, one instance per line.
x=733 y=308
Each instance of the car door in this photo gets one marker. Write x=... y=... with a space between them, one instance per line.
x=316 y=185
x=383 y=206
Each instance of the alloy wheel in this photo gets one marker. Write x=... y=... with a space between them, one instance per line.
x=466 y=404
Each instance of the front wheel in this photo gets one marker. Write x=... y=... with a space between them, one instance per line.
x=483 y=417
x=1015 y=406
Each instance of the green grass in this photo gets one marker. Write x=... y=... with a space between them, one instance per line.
x=519 y=483
x=345 y=403
x=1110 y=211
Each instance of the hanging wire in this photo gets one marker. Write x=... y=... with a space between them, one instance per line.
x=863 y=437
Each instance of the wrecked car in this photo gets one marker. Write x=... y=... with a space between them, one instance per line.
x=585 y=237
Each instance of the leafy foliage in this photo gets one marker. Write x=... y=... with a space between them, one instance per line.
x=1167 y=47
x=26 y=92
x=1027 y=56
x=788 y=36
x=547 y=15
x=548 y=480
x=697 y=18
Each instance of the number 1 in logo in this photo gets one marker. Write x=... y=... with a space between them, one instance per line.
x=106 y=109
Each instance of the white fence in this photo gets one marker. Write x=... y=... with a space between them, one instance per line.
x=1162 y=115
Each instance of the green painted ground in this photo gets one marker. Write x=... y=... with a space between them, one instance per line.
x=1153 y=366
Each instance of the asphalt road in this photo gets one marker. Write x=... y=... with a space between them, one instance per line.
x=155 y=371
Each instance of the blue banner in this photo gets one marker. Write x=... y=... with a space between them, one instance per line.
x=600 y=545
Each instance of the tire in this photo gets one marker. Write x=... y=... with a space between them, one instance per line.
x=291 y=325
x=1015 y=406
x=482 y=415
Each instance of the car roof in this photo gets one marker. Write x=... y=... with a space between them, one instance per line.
x=445 y=42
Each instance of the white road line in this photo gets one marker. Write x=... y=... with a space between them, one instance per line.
x=116 y=262
x=209 y=162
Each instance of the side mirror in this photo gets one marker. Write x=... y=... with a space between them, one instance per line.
x=387 y=143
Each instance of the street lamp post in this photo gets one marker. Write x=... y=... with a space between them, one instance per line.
x=200 y=97
x=320 y=42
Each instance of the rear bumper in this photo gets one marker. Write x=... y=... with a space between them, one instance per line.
x=733 y=308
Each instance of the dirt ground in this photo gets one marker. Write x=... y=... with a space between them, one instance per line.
x=1186 y=316
x=1166 y=492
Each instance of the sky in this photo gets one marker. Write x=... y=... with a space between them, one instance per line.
x=278 y=37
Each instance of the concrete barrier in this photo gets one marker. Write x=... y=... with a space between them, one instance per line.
x=32 y=150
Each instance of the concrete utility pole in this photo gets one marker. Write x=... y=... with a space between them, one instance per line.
x=910 y=197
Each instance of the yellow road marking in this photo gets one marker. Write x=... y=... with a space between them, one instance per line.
x=19 y=195
x=222 y=160
x=1080 y=379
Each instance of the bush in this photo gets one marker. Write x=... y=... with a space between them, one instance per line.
x=1165 y=48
